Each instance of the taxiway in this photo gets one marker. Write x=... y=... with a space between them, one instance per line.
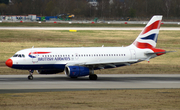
x=59 y=82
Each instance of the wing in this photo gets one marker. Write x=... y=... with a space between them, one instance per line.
x=103 y=65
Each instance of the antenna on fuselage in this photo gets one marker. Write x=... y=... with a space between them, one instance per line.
x=32 y=46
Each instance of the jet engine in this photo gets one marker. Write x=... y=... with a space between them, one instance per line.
x=77 y=71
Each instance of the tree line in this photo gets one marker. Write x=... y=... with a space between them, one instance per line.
x=82 y=9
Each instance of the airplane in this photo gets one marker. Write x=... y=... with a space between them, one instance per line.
x=82 y=61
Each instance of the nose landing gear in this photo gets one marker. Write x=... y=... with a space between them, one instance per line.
x=30 y=77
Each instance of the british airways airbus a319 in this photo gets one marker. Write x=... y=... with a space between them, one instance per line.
x=78 y=62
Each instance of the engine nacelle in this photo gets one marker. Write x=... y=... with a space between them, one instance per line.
x=77 y=71
x=48 y=71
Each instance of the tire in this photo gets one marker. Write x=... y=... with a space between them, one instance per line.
x=93 y=77
x=30 y=77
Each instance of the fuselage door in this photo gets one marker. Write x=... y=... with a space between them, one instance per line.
x=76 y=56
x=34 y=55
x=133 y=54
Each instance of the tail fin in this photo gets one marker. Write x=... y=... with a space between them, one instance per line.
x=149 y=35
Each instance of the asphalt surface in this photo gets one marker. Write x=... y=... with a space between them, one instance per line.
x=59 y=82
x=82 y=28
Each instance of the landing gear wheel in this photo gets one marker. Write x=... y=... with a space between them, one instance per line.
x=30 y=77
x=93 y=77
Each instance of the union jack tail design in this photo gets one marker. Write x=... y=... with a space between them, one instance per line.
x=149 y=35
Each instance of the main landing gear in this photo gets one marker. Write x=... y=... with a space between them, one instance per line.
x=30 y=77
x=93 y=77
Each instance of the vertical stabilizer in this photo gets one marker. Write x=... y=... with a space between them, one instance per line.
x=149 y=35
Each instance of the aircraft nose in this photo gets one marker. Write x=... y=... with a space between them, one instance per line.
x=9 y=63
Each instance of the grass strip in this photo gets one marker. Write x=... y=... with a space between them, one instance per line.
x=154 y=99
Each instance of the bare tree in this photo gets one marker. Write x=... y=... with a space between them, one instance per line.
x=105 y=9
x=167 y=7
x=2 y=8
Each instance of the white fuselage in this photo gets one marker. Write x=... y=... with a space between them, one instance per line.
x=47 y=58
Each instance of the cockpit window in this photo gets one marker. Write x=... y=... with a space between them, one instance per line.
x=23 y=55
x=15 y=55
x=19 y=55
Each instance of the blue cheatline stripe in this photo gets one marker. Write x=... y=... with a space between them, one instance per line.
x=39 y=66
x=151 y=37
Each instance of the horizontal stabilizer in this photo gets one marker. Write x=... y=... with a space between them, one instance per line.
x=150 y=53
